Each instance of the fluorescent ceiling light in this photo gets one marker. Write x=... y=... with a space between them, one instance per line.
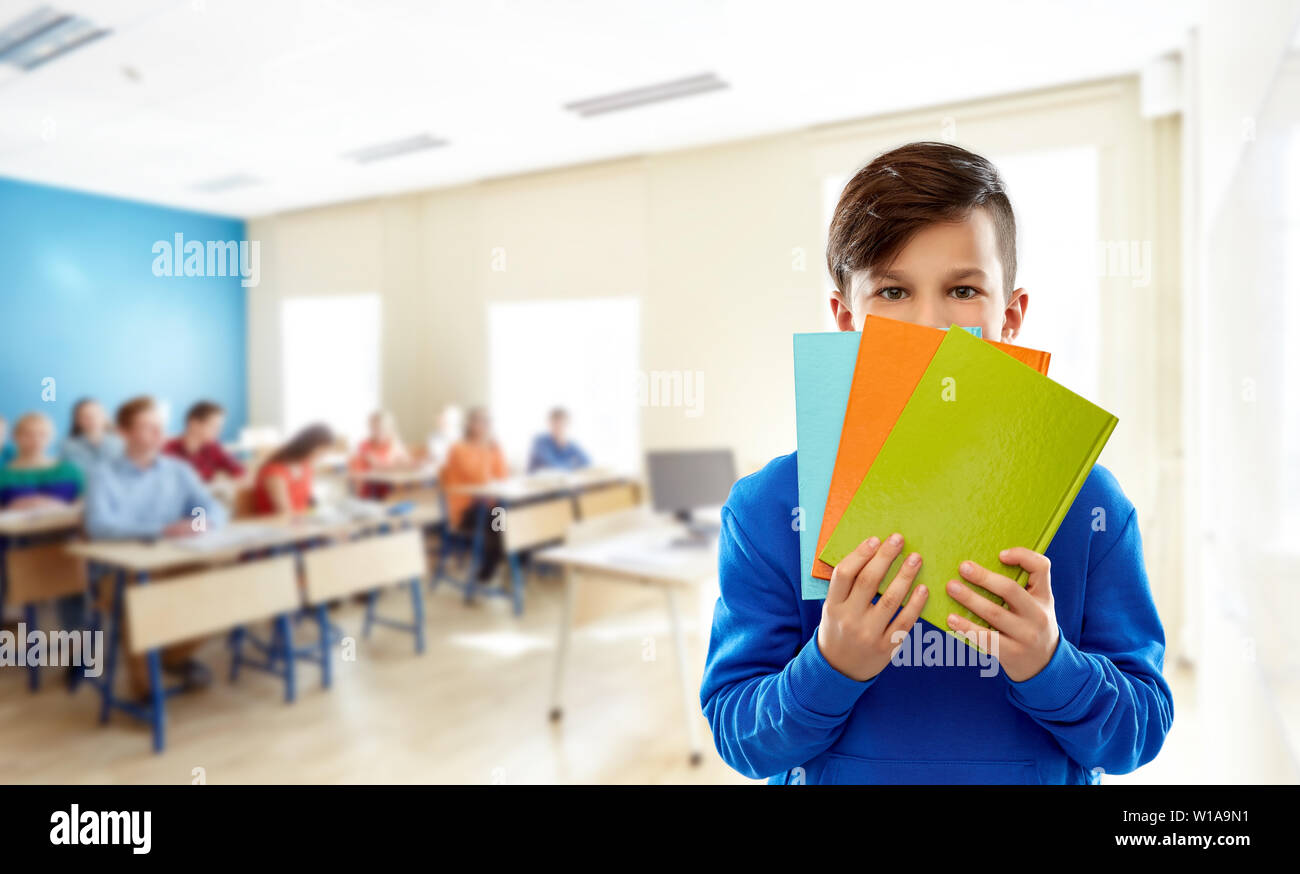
x=383 y=151
x=676 y=89
x=226 y=183
x=43 y=35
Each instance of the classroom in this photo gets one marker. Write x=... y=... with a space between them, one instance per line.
x=391 y=394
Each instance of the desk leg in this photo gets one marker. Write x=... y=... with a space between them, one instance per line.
x=476 y=553
x=562 y=644
x=114 y=637
x=4 y=580
x=93 y=573
x=157 y=700
x=33 y=671
x=326 y=663
x=688 y=697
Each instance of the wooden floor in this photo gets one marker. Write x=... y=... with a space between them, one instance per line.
x=472 y=709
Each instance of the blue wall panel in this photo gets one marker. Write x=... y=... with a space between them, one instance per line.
x=79 y=302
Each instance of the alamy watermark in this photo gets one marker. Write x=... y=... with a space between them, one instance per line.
x=36 y=648
x=683 y=389
x=181 y=257
x=930 y=647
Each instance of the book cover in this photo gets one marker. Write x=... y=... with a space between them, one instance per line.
x=987 y=454
x=823 y=373
x=891 y=358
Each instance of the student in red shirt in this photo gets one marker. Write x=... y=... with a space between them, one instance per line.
x=283 y=483
x=199 y=443
x=382 y=450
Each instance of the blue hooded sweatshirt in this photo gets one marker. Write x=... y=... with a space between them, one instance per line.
x=778 y=709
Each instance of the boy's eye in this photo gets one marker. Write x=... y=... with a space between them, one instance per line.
x=892 y=293
x=965 y=292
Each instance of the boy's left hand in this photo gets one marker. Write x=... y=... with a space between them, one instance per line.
x=1023 y=628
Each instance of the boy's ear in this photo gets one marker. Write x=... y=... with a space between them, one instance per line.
x=1013 y=317
x=840 y=310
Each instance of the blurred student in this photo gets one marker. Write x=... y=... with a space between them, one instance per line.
x=33 y=478
x=90 y=440
x=284 y=481
x=554 y=450
x=199 y=444
x=143 y=493
x=475 y=460
x=6 y=451
x=446 y=431
x=381 y=450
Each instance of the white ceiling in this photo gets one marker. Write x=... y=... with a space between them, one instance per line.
x=186 y=91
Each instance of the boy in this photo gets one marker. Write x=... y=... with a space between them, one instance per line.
x=199 y=444
x=804 y=691
x=143 y=493
x=554 y=450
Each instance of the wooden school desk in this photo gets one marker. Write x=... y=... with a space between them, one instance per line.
x=267 y=536
x=543 y=484
x=20 y=526
x=415 y=477
x=513 y=491
x=37 y=577
x=633 y=547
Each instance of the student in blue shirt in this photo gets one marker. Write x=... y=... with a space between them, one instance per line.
x=90 y=439
x=554 y=450
x=145 y=494
x=837 y=691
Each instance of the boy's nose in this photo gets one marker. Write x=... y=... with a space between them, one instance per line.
x=932 y=317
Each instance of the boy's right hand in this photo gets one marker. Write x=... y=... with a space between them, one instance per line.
x=856 y=637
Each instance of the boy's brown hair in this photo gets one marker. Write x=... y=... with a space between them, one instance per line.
x=902 y=191
x=128 y=411
x=202 y=411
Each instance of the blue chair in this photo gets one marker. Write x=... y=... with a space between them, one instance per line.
x=453 y=543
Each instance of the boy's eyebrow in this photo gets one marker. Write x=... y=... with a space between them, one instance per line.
x=953 y=275
x=966 y=273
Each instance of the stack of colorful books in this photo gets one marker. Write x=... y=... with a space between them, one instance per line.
x=961 y=444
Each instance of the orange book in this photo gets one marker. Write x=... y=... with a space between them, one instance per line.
x=892 y=358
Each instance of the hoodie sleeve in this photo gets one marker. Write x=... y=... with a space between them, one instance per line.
x=772 y=701
x=1104 y=697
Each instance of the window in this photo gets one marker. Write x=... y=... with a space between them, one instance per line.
x=578 y=354
x=1055 y=194
x=331 y=361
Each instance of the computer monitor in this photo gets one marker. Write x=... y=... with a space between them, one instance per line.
x=682 y=481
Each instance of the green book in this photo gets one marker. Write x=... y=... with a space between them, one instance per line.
x=988 y=454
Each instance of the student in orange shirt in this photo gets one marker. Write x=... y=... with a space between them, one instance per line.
x=475 y=460
x=284 y=480
x=382 y=450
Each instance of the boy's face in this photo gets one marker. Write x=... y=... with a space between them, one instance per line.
x=949 y=273
x=32 y=437
x=208 y=430
x=145 y=435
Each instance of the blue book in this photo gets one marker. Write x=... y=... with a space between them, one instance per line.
x=823 y=376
